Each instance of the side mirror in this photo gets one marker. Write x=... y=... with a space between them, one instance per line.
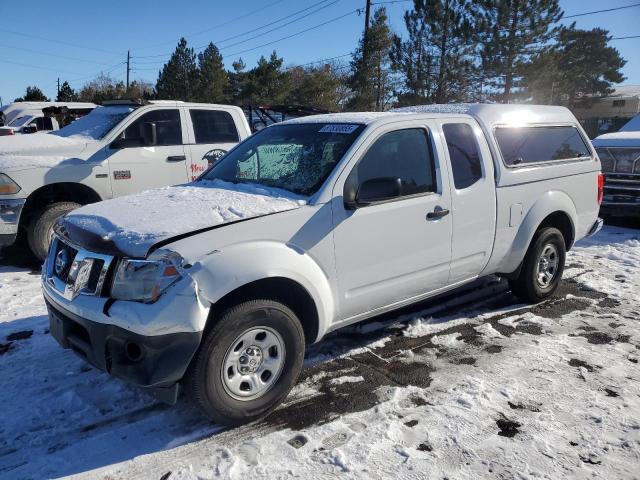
x=372 y=191
x=149 y=134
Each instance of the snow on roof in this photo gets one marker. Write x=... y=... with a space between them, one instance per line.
x=626 y=91
x=136 y=222
x=355 y=117
x=459 y=108
x=618 y=139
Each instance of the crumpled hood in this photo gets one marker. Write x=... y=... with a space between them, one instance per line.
x=133 y=224
x=37 y=150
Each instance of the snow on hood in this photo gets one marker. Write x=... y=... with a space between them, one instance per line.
x=37 y=150
x=137 y=222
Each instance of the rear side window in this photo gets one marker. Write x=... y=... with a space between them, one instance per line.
x=43 y=124
x=213 y=126
x=168 y=126
x=464 y=154
x=403 y=154
x=520 y=145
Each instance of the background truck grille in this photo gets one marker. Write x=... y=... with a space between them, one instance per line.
x=621 y=167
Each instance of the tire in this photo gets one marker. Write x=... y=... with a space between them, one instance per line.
x=532 y=285
x=221 y=398
x=41 y=227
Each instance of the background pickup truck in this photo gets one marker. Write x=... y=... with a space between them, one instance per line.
x=31 y=117
x=620 y=156
x=310 y=225
x=118 y=149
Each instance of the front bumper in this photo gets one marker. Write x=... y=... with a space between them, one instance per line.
x=10 y=211
x=156 y=362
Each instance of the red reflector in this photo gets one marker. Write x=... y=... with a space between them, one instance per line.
x=600 y=187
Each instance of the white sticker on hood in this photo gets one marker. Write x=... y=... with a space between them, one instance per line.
x=339 y=128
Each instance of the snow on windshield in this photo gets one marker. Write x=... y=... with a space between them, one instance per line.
x=632 y=125
x=96 y=124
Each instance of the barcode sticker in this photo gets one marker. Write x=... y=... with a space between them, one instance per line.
x=339 y=128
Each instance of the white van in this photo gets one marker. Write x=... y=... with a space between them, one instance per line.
x=30 y=117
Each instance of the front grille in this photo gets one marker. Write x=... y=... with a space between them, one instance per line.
x=74 y=271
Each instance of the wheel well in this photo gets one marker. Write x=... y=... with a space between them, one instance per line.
x=562 y=222
x=280 y=289
x=57 y=192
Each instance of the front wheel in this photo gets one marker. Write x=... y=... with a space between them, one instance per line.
x=247 y=363
x=41 y=227
x=542 y=267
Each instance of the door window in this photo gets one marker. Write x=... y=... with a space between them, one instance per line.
x=168 y=127
x=540 y=144
x=405 y=155
x=464 y=154
x=213 y=126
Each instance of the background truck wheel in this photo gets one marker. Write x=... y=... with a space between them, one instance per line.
x=247 y=363
x=542 y=266
x=41 y=226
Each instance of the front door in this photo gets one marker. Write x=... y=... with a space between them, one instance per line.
x=399 y=246
x=138 y=168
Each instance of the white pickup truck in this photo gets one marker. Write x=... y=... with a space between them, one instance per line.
x=116 y=150
x=311 y=225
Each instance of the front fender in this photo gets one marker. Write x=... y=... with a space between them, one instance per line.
x=223 y=271
x=550 y=202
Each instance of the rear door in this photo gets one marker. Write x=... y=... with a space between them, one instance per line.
x=473 y=197
x=389 y=251
x=138 y=168
x=213 y=132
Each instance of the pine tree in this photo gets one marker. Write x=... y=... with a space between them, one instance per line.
x=513 y=30
x=436 y=61
x=315 y=87
x=66 y=93
x=237 y=82
x=178 y=79
x=371 y=79
x=578 y=69
x=33 y=94
x=267 y=82
x=213 y=78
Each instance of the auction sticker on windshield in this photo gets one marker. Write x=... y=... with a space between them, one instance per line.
x=339 y=128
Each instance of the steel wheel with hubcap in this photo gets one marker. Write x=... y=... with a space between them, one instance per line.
x=247 y=362
x=253 y=363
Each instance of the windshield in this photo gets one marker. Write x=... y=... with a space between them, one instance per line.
x=294 y=157
x=20 y=121
x=96 y=124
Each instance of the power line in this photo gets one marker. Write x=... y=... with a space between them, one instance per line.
x=625 y=38
x=75 y=45
x=357 y=10
x=39 y=67
x=49 y=54
x=276 y=28
x=223 y=24
x=253 y=30
x=602 y=11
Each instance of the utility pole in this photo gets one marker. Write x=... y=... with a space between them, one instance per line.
x=58 y=86
x=367 y=15
x=128 y=67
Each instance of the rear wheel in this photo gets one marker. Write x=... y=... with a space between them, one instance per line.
x=542 y=267
x=247 y=363
x=41 y=227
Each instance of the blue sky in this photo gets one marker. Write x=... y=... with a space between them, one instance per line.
x=41 y=40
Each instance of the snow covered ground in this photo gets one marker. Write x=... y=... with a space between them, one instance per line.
x=471 y=385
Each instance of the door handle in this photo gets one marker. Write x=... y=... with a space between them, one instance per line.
x=176 y=158
x=438 y=212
